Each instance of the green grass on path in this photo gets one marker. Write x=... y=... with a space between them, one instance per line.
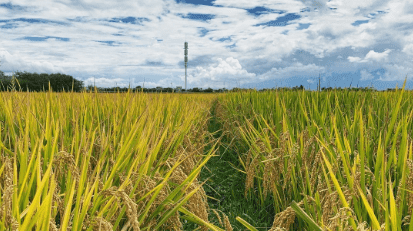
x=227 y=185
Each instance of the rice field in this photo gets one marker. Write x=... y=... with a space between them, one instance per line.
x=299 y=160
x=330 y=160
x=89 y=161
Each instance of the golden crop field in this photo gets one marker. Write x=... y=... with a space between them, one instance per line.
x=86 y=161
x=274 y=160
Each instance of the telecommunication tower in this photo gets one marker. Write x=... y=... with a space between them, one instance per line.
x=186 y=60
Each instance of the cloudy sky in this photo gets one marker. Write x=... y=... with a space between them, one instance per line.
x=247 y=43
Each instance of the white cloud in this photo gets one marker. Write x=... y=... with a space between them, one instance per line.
x=228 y=70
x=376 y=56
x=354 y=59
x=295 y=70
x=365 y=75
x=13 y=63
x=397 y=72
x=408 y=49
x=106 y=82
x=287 y=5
x=371 y=56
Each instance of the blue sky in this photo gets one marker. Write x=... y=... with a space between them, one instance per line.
x=260 y=43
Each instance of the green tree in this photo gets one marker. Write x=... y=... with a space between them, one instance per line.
x=40 y=82
x=2 y=75
x=195 y=89
x=209 y=90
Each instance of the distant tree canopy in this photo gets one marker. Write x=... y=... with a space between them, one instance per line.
x=40 y=82
x=58 y=82
x=2 y=76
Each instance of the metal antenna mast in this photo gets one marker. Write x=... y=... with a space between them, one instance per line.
x=186 y=60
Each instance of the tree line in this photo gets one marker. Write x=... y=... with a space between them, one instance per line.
x=39 y=82
x=61 y=82
x=149 y=90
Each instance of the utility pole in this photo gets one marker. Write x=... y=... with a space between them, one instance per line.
x=319 y=82
x=186 y=61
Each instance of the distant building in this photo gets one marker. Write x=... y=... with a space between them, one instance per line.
x=178 y=89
